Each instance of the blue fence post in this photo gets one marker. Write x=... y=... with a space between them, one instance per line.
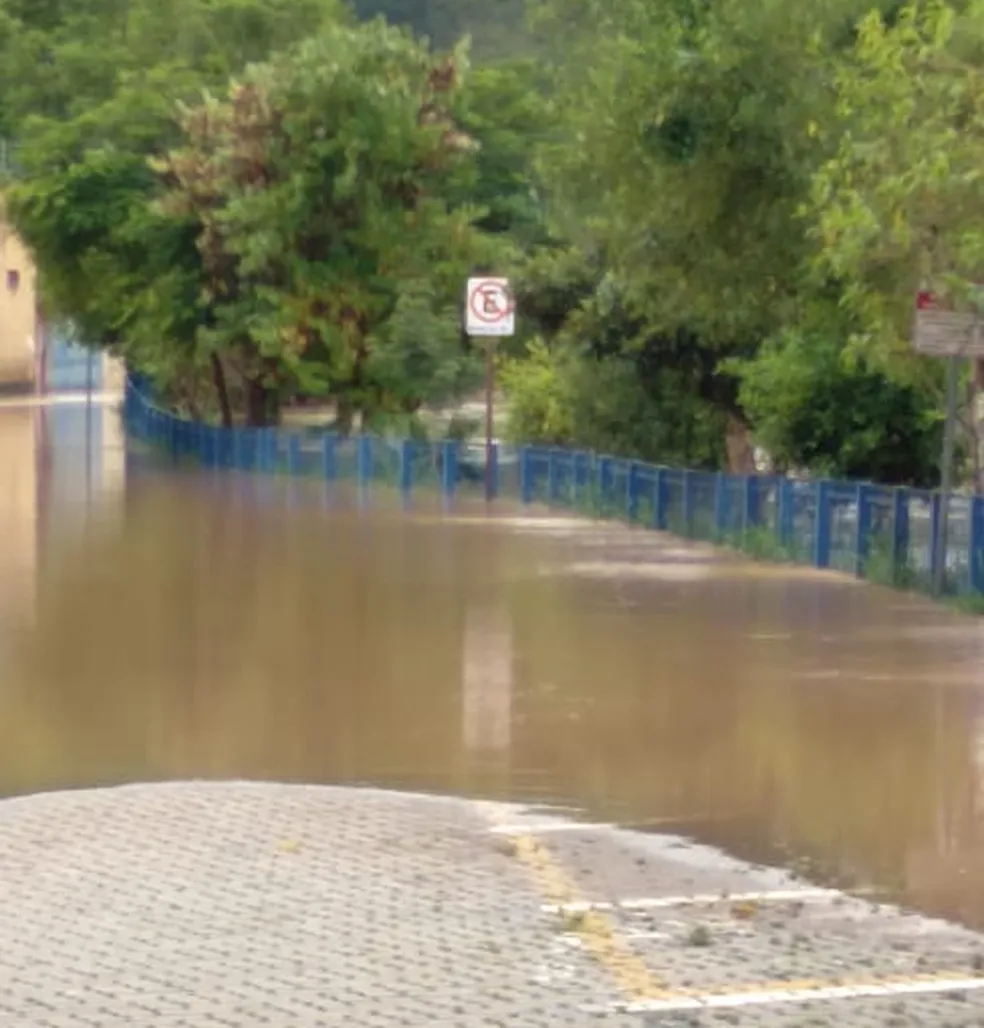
x=786 y=518
x=209 y=446
x=821 y=526
x=750 y=503
x=551 y=477
x=935 y=556
x=689 y=501
x=294 y=454
x=270 y=449
x=175 y=437
x=976 y=547
x=329 y=458
x=660 y=499
x=363 y=460
x=579 y=476
x=720 y=505
x=239 y=459
x=406 y=465
x=632 y=491
x=863 y=500
x=525 y=474
x=602 y=465
x=449 y=466
x=900 y=534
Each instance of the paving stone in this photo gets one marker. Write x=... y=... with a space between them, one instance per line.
x=239 y=905
x=230 y=905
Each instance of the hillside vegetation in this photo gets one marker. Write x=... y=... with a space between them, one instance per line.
x=716 y=215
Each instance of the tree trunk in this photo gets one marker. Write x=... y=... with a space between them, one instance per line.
x=256 y=404
x=344 y=416
x=221 y=391
x=738 y=445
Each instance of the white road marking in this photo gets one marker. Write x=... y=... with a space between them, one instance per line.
x=550 y=826
x=697 y=899
x=766 y=997
x=67 y=399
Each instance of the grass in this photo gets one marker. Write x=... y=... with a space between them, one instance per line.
x=700 y=937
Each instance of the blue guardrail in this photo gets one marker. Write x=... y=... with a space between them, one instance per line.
x=882 y=533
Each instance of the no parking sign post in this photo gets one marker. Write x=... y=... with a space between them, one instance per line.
x=490 y=313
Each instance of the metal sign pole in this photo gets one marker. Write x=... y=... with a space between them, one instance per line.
x=490 y=313
x=489 y=419
x=941 y=331
x=946 y=475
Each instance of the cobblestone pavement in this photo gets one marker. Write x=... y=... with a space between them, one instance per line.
x=208 y=905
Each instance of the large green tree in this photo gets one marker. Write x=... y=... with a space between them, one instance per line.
x=307 y=232
x=898 y=206
x=318 y=196
x=899 y=203
x=684 y=178
x=90 y=94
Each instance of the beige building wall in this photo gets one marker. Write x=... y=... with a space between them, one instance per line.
x=19 y=428
x=113 y=374
x=18 y=312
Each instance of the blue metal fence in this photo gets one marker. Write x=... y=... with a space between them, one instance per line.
x=879 y=532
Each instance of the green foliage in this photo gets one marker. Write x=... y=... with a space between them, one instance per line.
x=691 y=144
x=317 y=189
x=541 y=396
x=715 y=214
x=497 y=27
x=92 y=94
x=898 y=204
x=815 y=407
x=561 y=395
x=725 y=180
x=503 y=106
x=305 y=234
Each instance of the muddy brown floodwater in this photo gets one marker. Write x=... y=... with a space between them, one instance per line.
x=160 y=624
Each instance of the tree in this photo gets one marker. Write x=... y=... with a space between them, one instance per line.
x=898 y=204
x=689 y=143
x=504 y=107
x=91 y=96
x=683 y=179
x=840 y=415
x=306 y=234
x=317 y=192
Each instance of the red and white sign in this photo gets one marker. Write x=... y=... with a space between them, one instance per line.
x=489 y=307
x=941 y=331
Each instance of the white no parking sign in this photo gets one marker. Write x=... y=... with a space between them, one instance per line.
x=489 y=307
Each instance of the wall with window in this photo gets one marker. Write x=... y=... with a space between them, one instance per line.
x=18 y=313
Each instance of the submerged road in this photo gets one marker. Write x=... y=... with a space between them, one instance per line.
x=171 y=625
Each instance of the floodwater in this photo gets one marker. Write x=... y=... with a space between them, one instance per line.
x=164 y=624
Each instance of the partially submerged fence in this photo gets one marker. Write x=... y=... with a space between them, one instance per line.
x=878 y=532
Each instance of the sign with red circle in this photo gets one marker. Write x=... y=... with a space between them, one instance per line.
x=490 y=309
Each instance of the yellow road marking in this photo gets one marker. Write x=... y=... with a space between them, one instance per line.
x=595 y=929
x=629 y=971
